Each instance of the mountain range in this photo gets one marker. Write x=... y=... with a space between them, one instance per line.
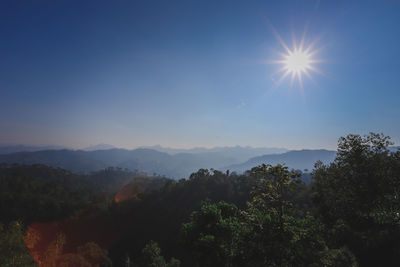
x=177 y=165
x=7 y=149
x=169 y=162
x=240 y=153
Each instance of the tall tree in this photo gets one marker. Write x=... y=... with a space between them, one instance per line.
x=213 y=234
x=358 y=198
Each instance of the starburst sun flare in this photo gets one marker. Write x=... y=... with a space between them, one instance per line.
x=297 y=61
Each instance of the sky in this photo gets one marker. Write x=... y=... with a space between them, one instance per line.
x=196 y=73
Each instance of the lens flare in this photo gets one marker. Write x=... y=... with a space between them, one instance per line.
x=296 y=61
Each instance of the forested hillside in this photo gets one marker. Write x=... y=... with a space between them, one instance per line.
x=347 y=216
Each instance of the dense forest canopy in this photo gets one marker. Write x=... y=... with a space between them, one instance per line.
x=348 y=215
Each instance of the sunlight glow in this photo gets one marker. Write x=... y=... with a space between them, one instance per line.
x=296 y=61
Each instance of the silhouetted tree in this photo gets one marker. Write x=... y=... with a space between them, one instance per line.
x=358 y=198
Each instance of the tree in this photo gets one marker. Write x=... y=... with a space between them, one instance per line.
x=265 y=234
x=274 y=184
x=151 y=257
x=358 y=198
x=13 y=251
x=273 y=236
x=213 y=233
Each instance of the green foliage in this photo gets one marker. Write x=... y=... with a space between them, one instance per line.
x=273 y=236
x=32 y=193
x=13 y=251
x=357 y=197
x=341 y=257
x=151 y=257
x=265 y=234
x=273 y=187
x=40 y=193
x=213 y=233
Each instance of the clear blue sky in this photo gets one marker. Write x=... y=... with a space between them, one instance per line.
x=195 y=73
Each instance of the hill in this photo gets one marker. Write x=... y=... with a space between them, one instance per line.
x=7 y=149
x=296 y=159
x=236 y=153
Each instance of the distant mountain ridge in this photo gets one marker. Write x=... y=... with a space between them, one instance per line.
x=151 y=161
x=99 y=147
x=262 y=150
x=296 y=159
x=237 y=154
x=7 y=149
x=177 y=166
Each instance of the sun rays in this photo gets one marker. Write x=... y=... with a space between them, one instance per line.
x=297 y=61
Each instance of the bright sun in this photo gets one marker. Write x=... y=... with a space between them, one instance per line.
x=297 y=61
